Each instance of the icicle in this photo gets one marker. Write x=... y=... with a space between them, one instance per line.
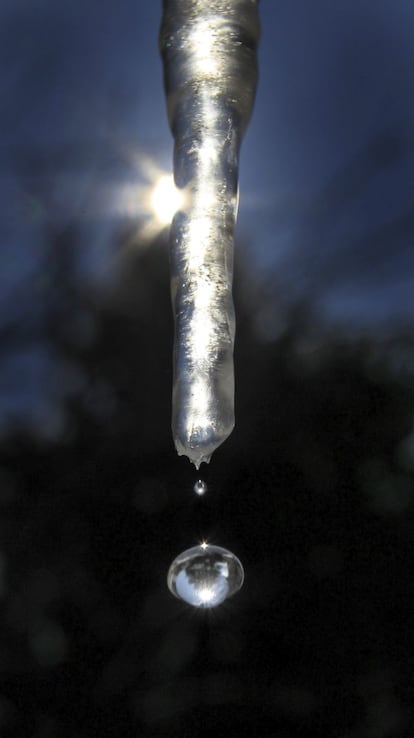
x=209 y=53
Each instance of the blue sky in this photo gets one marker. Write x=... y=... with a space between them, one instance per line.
x=334 y=79
x=327 y=164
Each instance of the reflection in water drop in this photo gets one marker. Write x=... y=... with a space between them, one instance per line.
x=200 y=487
x=205 y=576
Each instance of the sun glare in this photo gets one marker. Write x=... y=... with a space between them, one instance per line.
x=152 y=200
x=165 y=199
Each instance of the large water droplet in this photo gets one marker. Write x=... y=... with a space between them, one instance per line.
x=205 y=576
x=200 y=488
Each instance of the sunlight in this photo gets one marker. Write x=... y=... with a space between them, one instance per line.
x=152 y=200
x=166 y=199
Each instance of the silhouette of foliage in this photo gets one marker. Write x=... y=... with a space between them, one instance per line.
x=313 y=491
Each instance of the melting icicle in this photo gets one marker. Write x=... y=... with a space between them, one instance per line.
x=205 y=576
x=209 y=52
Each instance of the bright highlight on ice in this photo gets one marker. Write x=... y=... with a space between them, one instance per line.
x=209 y=52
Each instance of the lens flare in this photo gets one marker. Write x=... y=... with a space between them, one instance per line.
x=165 y=199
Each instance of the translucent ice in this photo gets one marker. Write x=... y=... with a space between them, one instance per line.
x=209 y=52
x=205 y=576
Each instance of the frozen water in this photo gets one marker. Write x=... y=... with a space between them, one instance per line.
x=209 y=52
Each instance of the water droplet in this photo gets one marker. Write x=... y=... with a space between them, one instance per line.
x=205 y=576
x=200 y=487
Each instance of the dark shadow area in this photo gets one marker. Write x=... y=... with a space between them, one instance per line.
x=313 y=491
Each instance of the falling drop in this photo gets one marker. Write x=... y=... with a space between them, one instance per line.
x=200 y=487
x=205 y=576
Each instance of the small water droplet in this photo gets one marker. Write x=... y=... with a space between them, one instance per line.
x=205 y=576
x=200 y=487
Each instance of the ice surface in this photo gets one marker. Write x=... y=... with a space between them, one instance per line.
x=209 y=52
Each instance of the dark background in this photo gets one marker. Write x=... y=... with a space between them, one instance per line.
x=313 y=490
